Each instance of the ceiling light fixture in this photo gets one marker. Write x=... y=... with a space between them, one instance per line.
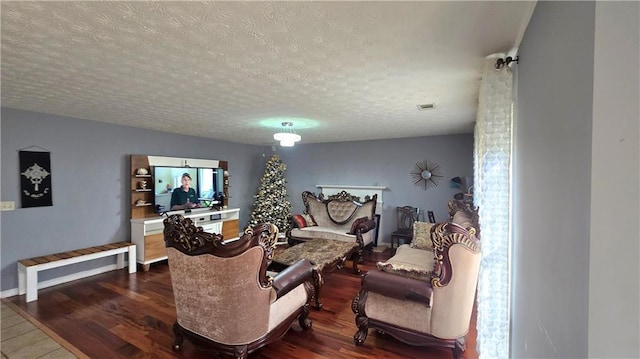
x=287 y=137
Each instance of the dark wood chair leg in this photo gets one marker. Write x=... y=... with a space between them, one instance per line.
x=459 y=347
x=318 y=281
x=355 y=260
x=240 y=352
x=362 y=323
x=178 y=338
x=304 y=320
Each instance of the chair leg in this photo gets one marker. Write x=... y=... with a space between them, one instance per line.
x=318 y=282
x=362 y=323
x=304 y=320
x=355 y=259
x=240 y=352
x=457 y=353
x=458 y=348
x=178 y=338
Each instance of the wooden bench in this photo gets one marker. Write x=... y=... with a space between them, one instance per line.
x=28 y=268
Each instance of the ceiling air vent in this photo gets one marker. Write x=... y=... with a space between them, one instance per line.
x=428 y=106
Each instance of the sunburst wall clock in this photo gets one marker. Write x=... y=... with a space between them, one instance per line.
x=426 y=174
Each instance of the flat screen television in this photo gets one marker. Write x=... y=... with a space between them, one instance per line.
x=166 y=180
x=210 y=185
x=207 y=182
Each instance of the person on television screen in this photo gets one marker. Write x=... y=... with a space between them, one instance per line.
x=184 y=197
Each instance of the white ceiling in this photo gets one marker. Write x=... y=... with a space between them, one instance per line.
x=341 y=71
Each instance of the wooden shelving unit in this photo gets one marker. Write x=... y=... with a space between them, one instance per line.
x=146 y=225
x=144 y=194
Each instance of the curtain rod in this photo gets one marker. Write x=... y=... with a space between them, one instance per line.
x=500 y=63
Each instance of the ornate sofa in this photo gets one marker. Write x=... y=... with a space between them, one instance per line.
x=225 y=300
x=424 y=294
x=340 y=217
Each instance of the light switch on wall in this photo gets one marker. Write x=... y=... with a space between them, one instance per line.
x=8 y=205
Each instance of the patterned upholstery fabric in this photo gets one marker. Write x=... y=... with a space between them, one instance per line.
x=317 y=232
x=410 y=262
x=320 y=251
x=314 y=232
x=422 y=236
x=309 y=219
x=223 y=294
x=341 y=211
x=318 y=210
x=401 y=313
x=193 y=299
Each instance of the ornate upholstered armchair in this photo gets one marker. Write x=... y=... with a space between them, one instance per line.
x=418 y=311
x=224 y=298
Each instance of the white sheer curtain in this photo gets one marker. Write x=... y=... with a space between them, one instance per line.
x=492 y=194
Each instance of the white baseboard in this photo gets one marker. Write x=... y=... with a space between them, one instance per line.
x=67 y=278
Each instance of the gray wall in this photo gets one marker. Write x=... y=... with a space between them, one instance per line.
x=90 y=163
x=552 y=171
x=614 y=275
x=381 y=163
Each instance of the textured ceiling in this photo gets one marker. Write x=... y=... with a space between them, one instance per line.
x=342 y=71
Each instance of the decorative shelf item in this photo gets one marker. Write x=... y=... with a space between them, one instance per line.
x=143 y=184
x=143 y=190
x=145 y=176
x=426 y=174
x=142 y=171
x=142 y=202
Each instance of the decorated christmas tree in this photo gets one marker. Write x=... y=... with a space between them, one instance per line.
x=271 y=204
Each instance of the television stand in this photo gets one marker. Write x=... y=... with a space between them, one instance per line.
x=148 y=233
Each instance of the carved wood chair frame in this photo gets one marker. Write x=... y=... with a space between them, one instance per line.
x=444 y=236
x=181 y=234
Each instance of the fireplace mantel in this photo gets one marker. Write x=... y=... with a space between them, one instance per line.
x=341 y=186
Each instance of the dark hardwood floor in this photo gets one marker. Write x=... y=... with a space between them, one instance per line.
x=118 y=315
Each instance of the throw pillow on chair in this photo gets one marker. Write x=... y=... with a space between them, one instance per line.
x=422 y=236
x=299 y=220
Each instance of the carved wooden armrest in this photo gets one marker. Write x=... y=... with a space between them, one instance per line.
x=365 y=227
x=293 y=276
x=395 y=286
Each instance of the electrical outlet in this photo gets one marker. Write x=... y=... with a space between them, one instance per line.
x=8 y=205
